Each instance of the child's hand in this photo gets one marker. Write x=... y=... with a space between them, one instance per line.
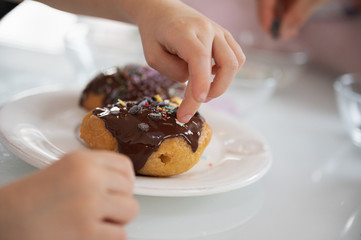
x=85 y=195
x=181 y=43
x=177 y=40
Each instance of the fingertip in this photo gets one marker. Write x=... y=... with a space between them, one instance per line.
x=184 y=118
x=182 y=115
x=209 y=99
x=187 y=109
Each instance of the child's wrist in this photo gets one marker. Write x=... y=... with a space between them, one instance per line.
x=135 y=10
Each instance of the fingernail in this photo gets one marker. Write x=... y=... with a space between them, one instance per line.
x=208 y=99
x=275 y=28
x=202 y=97
x=185 y=118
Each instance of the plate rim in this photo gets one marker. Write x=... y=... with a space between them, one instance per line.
x=38 y=162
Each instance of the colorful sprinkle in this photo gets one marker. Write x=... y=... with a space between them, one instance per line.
x=176 y=100
x=179 y=123
x=136 y=109
x=115 y=110
x=173 y=112
x=173 y=104
x=158 y=98
x=155 y=116
x=142 y=103
x=143 y=127
x=121 y=102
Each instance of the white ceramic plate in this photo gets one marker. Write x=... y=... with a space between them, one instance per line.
x=41 y=125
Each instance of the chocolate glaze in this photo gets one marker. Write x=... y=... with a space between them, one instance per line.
x=130 y=83
x=138 y=142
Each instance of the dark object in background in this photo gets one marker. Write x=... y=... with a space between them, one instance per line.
x=278 y=16
x=6 y=6
x=275 y=28
x=352 y=7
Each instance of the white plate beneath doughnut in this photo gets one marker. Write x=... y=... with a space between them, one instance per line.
x=40 y=125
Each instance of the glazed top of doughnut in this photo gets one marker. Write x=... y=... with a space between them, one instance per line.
x=131 y=82
x=140 y=127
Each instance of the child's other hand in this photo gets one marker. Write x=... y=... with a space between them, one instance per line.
x=85 y=195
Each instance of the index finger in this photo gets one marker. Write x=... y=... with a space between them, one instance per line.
x=198 y=55
x=189 y=105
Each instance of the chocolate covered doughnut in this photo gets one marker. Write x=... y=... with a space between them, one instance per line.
x=128 y=83
x=147 y=131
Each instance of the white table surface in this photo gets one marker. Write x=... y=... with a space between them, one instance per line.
x=312 y=191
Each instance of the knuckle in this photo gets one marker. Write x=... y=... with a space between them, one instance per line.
x=77 y=172
x=188 y=22
x=227 y=33
x=202 y=52
x=179 y=23
x=242 y=60
x=205 y=24
x=87 y=204
x=86 y=173
x=232 y=65
x=90 y=202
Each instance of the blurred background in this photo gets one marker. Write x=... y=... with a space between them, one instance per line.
x=81 y=46
x=331 y=38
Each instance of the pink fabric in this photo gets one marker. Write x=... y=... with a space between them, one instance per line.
x=333 y=41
